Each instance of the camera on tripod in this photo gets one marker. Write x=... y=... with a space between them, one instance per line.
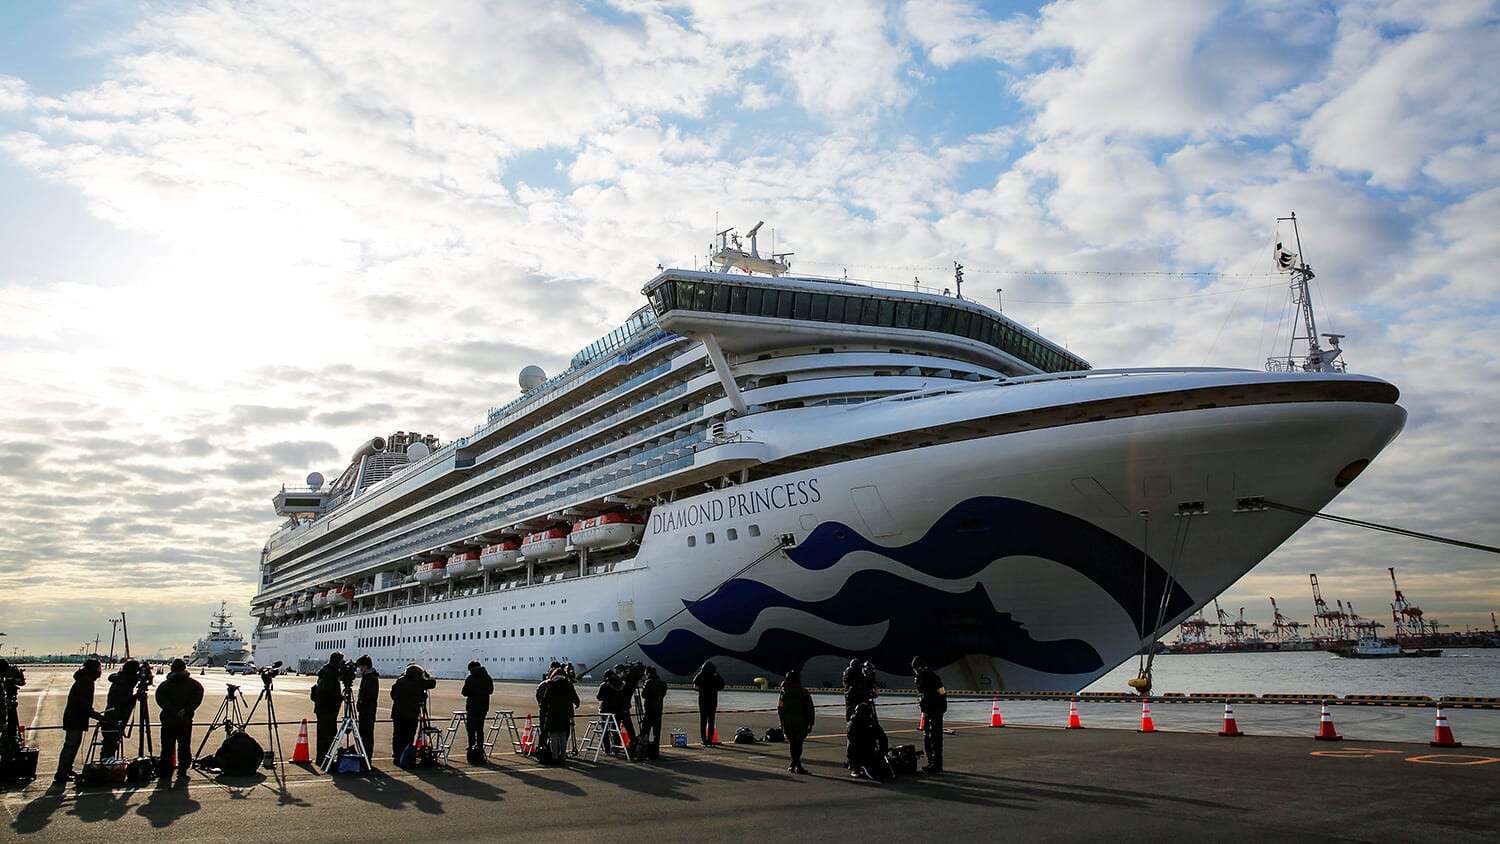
x=268 y=673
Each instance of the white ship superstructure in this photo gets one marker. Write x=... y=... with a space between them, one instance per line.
x=222 y=644
x=774 y=471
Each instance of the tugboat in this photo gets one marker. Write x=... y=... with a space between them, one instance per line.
x=222 y=644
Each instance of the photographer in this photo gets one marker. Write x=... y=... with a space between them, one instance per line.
x=75 y=719
x=559 y=700
x=117 y=705
x=408 y=694
x=369 y=696
x=934 y=703
x=327 y=695
x=11 y=679
x=178 y=698
x=653 y=696
x=476 y=691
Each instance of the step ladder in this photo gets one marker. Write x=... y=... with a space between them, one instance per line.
x=600 y=726
x=450 y=734
x=502 y=719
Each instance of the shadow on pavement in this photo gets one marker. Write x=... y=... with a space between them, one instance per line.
x=384 y=790
x=166 y=803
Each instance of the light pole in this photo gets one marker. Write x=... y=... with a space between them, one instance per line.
x=114 y=624
x=1000 y=298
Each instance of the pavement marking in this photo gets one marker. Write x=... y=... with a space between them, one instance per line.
x=1441 y=759
x=41 y=696
x=1356 y=753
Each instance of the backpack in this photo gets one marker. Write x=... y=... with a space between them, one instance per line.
x=775 y=734
x=903 y=758
x=350 y=762
x=744 y=735
x=408 y=757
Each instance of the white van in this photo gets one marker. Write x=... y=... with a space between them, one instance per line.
x=239 y=667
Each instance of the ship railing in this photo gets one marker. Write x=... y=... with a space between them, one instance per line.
x=675 y=455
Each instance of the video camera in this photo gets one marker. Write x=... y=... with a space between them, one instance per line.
x=144 y=680
x=268 y=673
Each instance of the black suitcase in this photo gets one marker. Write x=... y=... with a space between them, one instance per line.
x=21 y=767
x=903 y=759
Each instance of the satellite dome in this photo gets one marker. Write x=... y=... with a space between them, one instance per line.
x=315 y=481
x=531 y=378
x=417 y=451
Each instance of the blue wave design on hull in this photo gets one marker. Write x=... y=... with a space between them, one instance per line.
x=942 y=626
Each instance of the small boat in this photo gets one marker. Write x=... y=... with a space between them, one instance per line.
x=340 y=595
x=542 y=546
x=463 y=564
x=1369 y=647
x=610 y=530
x=502 y=555
x=432 y=571
x=319 y=600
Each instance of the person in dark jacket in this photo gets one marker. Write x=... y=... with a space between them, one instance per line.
x=326 y=697
x=795 y=708
x=559 y=700
x=369 y=698
x=859 y=686
x=408 y=695
x=118 y=702
x=476 y=691
x=709 y=683
x=177 y=698
x=933 y=702
x=613 y=700
x=75 y=719
x=653 y=700
x=867 y=745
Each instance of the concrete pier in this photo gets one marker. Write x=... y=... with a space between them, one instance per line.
x=1018 y=782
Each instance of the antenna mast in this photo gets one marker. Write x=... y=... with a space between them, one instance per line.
x=1317 y=358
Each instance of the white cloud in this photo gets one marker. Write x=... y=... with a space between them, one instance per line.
x=14 y=94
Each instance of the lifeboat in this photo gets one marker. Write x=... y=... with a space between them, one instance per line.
x=545 y=545
x=319 y=599
x=432 y=571
x=463 y=564
x=340 y=595
x=503 y=555
x=610 y=530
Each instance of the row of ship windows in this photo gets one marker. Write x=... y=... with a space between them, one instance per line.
x=505 y=633
x=731 y=535
x=373 y=621
x=332 y=626
x=861 y=310
x=331 y=644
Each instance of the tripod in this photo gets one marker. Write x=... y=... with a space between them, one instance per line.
x=348 y=730
x=230 y=715
x=273 y=739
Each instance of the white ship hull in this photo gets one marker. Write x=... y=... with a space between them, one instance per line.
x=1012 y=561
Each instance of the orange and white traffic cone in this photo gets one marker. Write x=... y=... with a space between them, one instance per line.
x=995 y=719
x=528 y=736
x=1074 y=722
x=1442 y=734
x=301 y=753
x=1326 y=732
x=922 y=722
x=714 y=738
x=1231 y=727
x=1148 y=725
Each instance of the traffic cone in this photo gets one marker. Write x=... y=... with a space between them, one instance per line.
x=1326 y=732
x=1231 y=728
x=714 y=736
x=1074 y=722
x=301 y=753
x=1147 y=724
x=1442 y=734
x=995 y=719
x=528 y=736
x=922 y=723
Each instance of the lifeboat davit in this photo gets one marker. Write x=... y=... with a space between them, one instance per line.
x=432 y=571
x=610 y=530
x=320 y=599
x=551 y=544
x=463 y=564
x=340 y=595
x=503 y=555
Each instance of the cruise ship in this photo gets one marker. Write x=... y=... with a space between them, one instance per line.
x=772 y=471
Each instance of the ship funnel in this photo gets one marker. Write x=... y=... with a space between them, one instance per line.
x=374 y=446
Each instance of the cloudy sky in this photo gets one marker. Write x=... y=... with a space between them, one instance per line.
x=237 y=238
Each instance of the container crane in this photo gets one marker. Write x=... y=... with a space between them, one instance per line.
x=1282 y=628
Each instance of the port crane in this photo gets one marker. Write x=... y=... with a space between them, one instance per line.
x=1282 y=628
x=1407 y=616
x=1332 y=622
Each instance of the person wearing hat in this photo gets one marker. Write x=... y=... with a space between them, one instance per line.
x=478 y=687
x=75 y=719
x=795 y=708
x=177 y=698
x=364 y=705
x=934 y=703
